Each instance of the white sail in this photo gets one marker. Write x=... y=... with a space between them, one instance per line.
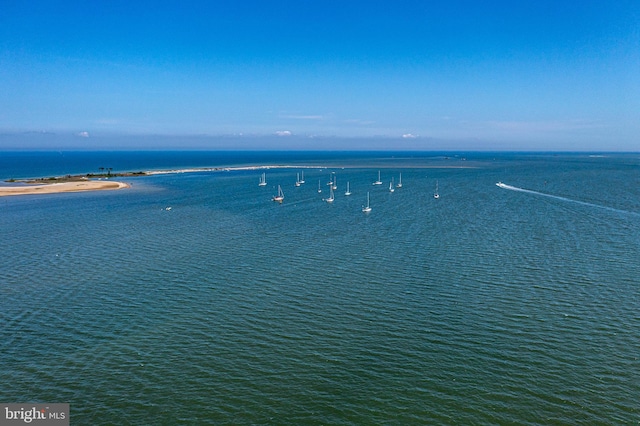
x=348 y=190
x=378 y=182
x=331 y=197
x=367 y=208
x=280 y=197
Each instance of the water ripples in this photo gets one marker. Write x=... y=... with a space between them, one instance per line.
x=479 y=307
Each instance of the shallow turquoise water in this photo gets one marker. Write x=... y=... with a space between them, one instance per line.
x=486 y=306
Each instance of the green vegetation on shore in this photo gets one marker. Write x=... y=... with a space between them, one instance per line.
x=77 y=178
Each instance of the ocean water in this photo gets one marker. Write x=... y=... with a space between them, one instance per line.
x=485 y=306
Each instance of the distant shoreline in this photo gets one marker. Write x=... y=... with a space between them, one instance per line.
x=297 y=166
x=226 y=169
x=88 y=182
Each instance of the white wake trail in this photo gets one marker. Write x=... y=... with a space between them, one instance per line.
x=584 y=203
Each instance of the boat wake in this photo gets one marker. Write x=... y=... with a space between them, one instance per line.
x=557 y=197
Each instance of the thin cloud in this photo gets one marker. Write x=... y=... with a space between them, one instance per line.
x=284 y=133
x=303 y=117
x=359 y=122
x=542 y=126
x=107 y=121
x=409 y=136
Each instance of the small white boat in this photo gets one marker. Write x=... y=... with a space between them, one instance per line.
x=301 y=181
x=391 y=188
x=297 y=179
x=331 y=197
x=399 y=185
x=435 y=194
x=501 y=185
x=280 y=197
x=334 y=185
x=367 y=208
x=319 y=189
x=348 y=190
x=263 y=180
x=378 y=182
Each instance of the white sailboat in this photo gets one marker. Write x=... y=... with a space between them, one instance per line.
x=391 y=188
x=302 y=180
x=348 y=190
x=435 y=194
x=331 y=197
x=297 y=179
x=378 y=182
x=330 y=182
x=263 y=180
x=367 y=208
x=334 y=185
x=280 y=197
x=399 y=185
x=319 y=188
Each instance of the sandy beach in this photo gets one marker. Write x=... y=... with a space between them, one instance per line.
x=300 y=166
x=53 y=188
x=84 y=184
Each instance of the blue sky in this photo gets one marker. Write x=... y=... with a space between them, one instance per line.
x=420 y=74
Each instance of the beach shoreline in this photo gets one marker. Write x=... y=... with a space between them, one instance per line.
x=83 y=183
x=60 y=187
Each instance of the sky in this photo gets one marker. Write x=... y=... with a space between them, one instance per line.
x=508 y=75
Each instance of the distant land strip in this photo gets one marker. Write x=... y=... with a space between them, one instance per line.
x=102 y=181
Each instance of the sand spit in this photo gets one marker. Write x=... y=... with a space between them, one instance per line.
x=297 y=166
x=54 y=188
x=229 y=169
